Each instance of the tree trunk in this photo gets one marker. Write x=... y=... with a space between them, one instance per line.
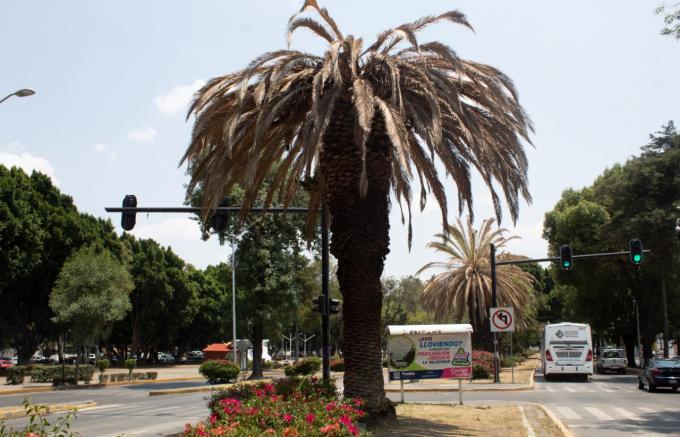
x=257 y=351
x=360 y=242
x=664 y=302
x=629 y=343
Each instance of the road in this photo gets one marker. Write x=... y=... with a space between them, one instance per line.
x=607 y=406
x=125 y=410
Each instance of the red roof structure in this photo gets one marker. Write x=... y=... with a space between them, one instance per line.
x=217 y=351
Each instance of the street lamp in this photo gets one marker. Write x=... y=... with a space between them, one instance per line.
x=25 y=92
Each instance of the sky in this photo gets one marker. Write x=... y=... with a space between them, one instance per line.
x=113 y=80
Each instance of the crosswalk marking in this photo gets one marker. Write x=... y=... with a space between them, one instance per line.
x=627 y=414
x=597 y=413
x=568 y=413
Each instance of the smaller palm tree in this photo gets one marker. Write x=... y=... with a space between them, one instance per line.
x=463 y=290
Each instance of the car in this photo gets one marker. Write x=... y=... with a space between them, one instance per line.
x=612 y=360
x=194 y=357
x=166 y=358
x=660 y=372
x=5 y=363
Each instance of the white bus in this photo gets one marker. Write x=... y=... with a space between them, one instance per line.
x=567 y=349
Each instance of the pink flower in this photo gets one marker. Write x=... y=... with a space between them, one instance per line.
x=213 y=419
x=270 y=431
x=287 y=418
x=358 y=402
x=310 y=418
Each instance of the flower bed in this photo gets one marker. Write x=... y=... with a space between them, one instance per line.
x=290 y=407
x=482 y=364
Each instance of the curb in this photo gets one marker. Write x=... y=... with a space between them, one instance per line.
x=556 y=421
x=19 y=412
x=93 y=386
x=454 y=388
x=210 y=388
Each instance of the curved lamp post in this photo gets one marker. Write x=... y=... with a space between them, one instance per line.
x=25 y=92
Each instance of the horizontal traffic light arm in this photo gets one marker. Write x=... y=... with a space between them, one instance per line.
x=557 y=258
x=189 y=209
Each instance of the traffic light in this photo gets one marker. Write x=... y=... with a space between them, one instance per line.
x=335 y=306
x=128 y=219
x=635 y=247
x=566 y=260
x=220 y=219
x=321 y=304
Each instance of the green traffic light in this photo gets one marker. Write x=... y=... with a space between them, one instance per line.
x=637 y=258
x=566 y=264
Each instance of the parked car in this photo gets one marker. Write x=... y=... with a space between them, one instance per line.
x=612 y=360
x=166 y=358
x=193 y=357
x=5 y=363
x=659 y=372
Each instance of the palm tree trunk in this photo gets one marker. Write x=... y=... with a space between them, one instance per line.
x=360 y=242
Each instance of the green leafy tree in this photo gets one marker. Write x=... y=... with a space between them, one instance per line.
x=90 y=295
x=358 y=123
x=635 y=200
x=671 y=18
x=39 y=229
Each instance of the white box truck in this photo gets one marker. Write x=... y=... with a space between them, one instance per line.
x=567 y=349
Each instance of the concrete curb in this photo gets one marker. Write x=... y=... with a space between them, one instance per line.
x=93 y=386
x=179 y=391
x=454 y=388
x=8 y=413
x=556 y=421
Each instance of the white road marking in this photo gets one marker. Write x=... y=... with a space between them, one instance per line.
x=646 y=410
x=627 y=414
x=597 y=413
x=570 y=390
x=101 y=407
x=568 y=413
x=525 y=422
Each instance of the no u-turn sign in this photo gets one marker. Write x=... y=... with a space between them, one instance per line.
x=502 y=319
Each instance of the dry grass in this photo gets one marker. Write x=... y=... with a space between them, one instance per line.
x=417 y=420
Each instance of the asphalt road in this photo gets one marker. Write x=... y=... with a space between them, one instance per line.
x=126 y=410
x=608 y=405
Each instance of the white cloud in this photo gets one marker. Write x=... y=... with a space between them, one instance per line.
x=13 y=147
x=178 y=98
x=105 y=150
x=145 y=135
x=28 y=163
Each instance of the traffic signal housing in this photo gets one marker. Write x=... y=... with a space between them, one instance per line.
x=566 y=258
x=335 y=306
x=321 y=304
x=128 y=219
x=636 y=255
x=220 y=219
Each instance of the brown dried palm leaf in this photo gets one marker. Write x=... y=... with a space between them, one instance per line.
x=433 y=106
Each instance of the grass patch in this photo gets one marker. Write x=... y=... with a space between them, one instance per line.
x=422 y=420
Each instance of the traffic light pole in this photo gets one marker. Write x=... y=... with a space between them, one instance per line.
x=494 y=303
x=494 y=298
x=325 y=317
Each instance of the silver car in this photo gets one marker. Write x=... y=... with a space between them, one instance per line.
x=612 y=360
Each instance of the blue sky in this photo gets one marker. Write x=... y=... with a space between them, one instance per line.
x=113 y=80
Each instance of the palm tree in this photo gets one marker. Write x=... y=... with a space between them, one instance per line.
x=356 y=123
x=463 y=290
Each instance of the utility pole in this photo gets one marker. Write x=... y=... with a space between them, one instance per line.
x=494 y=303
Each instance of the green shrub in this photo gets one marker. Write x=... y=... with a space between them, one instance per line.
x=48 y=373
x=102 y=365
x=338 y=365
x=151 y=375
x=130 y=364
x=266 y=365
x=479 y=371
x=15 y=375
x=306 y=366
x=219 y=371
x=276 y=365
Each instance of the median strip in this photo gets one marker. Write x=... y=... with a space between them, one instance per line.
x=7 y=413
x=209 y=388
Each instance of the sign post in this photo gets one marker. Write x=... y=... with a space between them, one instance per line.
x=428 y=352
x=502 y=319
